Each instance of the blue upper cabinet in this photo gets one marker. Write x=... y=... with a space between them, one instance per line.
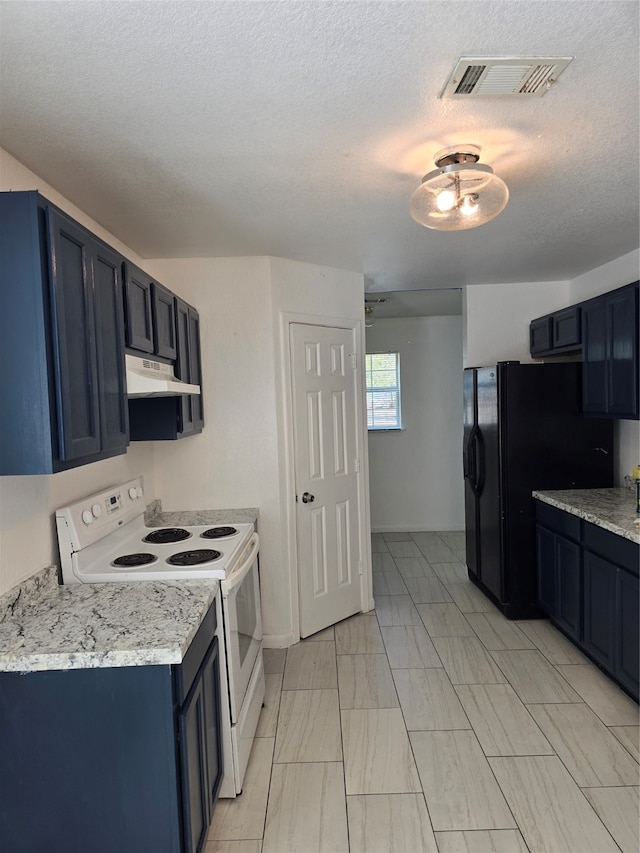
x=150 y=314
x=171 y=418
x=163 y=311
x=139 y=322
x=62 y=384
x=610 y=375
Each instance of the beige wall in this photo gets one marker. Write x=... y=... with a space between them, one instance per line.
x=240 y=459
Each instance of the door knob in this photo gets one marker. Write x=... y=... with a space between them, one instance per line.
x=307 y=498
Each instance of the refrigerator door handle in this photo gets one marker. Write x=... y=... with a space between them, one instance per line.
x=479 y=461
x=472 y=460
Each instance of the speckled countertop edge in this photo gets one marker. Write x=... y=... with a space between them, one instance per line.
x=155 y=517
x=611 y=509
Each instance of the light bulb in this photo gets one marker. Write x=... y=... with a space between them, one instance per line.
x=469 y=204
x=446 y=200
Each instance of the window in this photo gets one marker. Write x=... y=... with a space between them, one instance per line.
x=383 y=390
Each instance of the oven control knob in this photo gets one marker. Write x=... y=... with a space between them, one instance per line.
x=87 y=517
x=96 y=510
x=133 y=494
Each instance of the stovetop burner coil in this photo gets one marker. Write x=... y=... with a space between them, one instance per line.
x=218 y=532
x=132 y=560
x=193 y=558
x=167 y=535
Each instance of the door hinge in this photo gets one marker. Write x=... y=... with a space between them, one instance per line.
x=356 y=466
x=360 y=567
x=354 y=360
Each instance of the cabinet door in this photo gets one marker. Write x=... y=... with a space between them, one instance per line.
x=540 y=335
x=163 y=311
x=546 y=563
x=138 y=320
x=627 y=639
x=191 y=724
x=622 y=366
x=183 y=369
x=195 y=368
x=212 y=726
x=568 y=603
x=114 y=412
x=566 y=327
x=74 y=337
x=594 y=353
x=599 y=608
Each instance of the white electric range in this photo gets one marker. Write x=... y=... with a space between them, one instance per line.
x=103 y=539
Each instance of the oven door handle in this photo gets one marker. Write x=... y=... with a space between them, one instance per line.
x=241 y=570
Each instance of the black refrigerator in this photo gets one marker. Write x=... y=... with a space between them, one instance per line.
x=523 y=430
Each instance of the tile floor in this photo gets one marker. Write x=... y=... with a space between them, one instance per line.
x=435 y=724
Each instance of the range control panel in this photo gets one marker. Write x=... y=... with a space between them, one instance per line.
x=95 y=516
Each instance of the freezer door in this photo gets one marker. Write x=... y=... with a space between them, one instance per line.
x=469 y=467
x=487 y=452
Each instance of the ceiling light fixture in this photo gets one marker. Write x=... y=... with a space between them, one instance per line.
x=368 y=309
x=461 y=193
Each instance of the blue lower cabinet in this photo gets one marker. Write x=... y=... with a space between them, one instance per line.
x=600 y=608
x=627 y=642
x=109 y=760
x=568 y=607
x=588 y=585
x=559 y=566
x=200 y=753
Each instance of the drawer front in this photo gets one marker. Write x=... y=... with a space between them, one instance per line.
x=558 y=520
x=186 y=672
x=623 y=552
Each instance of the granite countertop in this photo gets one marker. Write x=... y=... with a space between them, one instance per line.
x=45 y=626
x=612 y=509
x=155 y=517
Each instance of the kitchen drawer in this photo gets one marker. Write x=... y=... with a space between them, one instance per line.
x=558 y=520
x=623 y=552
x=186 y=672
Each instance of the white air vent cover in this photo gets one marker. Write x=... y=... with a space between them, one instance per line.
x=504 y=77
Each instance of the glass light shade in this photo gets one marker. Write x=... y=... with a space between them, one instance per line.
x=480 y=196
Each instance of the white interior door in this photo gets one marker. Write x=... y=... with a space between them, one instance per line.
x=324 y=418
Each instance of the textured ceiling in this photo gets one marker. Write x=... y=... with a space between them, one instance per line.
x=300 y=129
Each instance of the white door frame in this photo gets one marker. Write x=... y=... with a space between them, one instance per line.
x=288 y=490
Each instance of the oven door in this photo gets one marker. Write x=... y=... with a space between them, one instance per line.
x=242 y=623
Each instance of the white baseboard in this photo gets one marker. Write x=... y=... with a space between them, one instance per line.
x=445 y=528
x=278 y=641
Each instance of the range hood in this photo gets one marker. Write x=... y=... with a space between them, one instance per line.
x=147 y=378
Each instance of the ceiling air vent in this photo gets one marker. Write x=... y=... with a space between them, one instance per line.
x=504 y=77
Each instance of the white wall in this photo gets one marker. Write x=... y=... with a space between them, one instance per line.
x=616 y=273
x=497 y=317
x=27 y=504
x=240 y=458
x=416 y=474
